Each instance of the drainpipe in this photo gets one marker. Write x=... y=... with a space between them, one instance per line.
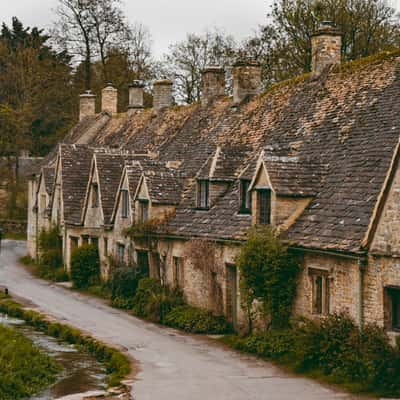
x=362 y=264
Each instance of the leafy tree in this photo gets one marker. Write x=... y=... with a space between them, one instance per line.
x=284 y=44
x=186 y=60
x=85 y=266
x=268 y=274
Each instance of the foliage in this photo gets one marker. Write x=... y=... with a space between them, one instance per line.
x=186 y=60
x=117 y=365
x=283 y=46
x=50 y=251
x=85 y=266
x=154 y=301
x=268 y=274
x=123 y=284
x=195 y=320
x=25 y=370
x=335 y=349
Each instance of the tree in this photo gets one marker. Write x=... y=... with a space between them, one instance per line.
x=186 y=60
x=36 y=106
x=284 y=44
x=74 y=32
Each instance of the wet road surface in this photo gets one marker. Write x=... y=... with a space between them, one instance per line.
x=172 y=366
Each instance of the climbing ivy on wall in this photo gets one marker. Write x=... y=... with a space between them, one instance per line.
x=269 y=274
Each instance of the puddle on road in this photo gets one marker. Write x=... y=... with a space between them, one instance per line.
x=81 y=372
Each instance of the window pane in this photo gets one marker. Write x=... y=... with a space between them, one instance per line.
x=264 y=207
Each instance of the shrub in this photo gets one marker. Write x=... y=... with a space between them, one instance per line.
x=195 y=320
x=50 y=249
x=154 y=301
x=123 y=284
x=269 y=274
x=85 y=266
x=336 y=348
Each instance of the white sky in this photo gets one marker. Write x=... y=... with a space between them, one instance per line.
x=168 y=20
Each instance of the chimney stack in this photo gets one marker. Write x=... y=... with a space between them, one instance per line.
x=162 y=94
x=109 y=99
x=213 y=85
x=246 y=80
x=326 y=44
x=136 y=96
x=87 y=106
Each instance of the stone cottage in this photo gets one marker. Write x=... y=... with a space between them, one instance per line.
x=316 y=158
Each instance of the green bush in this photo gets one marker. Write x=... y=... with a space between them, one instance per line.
x=25 y=370
x=268 y=274
x=85 y=266
x=195 y=320
x=50 y=249
x=154 y=301
x=123 y=284
x=335 y=348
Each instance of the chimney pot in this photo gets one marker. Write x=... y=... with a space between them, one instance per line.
x=326 y=45
x=109 y=99
x=136 y=95
x=162 y=94
x=246 y=80
x=213 y=85
x=87 y=106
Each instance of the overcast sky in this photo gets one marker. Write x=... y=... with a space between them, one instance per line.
x=168 y=20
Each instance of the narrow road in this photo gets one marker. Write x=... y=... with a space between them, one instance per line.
x=173 y=366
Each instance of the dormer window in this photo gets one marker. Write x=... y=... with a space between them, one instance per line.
x=203 y=191
x=125 y=203
x=245 y=197
x=264 y=206
x=143 y=210
x=95 y=195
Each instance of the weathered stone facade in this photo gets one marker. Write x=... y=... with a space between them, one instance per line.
x=210 y=171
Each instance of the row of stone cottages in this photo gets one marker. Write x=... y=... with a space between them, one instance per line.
x=317 y=158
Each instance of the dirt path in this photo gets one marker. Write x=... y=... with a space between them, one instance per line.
x=173 y=366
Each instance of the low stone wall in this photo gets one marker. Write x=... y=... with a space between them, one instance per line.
x=13 y=226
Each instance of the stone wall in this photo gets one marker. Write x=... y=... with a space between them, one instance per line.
x=13 y=226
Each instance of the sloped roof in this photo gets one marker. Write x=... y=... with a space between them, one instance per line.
x=164 y=184
x=48 y=176
x=75 y=168
x=342 y=128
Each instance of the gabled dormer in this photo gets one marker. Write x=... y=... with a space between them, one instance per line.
x=158 y=192
x=93 y=216
x=218 y=174
x=283 y=186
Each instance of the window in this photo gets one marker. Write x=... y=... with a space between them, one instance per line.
x=264 y=206
x=143 y=262
x=143 y=210
x=43 y=203
x=392 y=308
x=203 y=189
x=320 y=291
x=94 y=241
x=74 y=243
x=85 y=239
x=105 y=243
x=245 y=197
x=120 y=253
x=95 y=195
x=125 y=203
x=178 y=272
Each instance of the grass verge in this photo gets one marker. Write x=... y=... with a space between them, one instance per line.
x=25 y=370
x=118 y=366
